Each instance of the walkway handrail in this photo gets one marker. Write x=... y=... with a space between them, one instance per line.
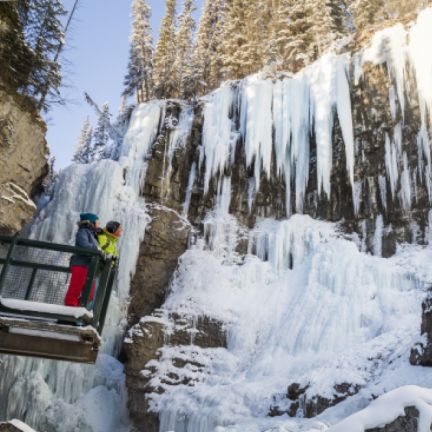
x=56 y=247
x=100 y=268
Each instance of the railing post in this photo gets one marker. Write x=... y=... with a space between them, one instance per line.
x=101 y=290
x=112 y=276
x=7 y=261
x=30 y=285
x=91 y=274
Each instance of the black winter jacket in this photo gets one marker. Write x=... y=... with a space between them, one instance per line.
x=85 y=238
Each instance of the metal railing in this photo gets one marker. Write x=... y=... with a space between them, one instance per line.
x=33 y=270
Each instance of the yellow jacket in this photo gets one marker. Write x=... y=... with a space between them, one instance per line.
x=108 y=243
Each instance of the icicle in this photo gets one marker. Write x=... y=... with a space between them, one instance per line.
x=383 y=190
x=392 y=102
x=179 y=133
x=389 y=46
x=364 y=234
x=250 y=193
x=391 y=165
x=223 y=199
x=320 y=78
x=257 y=124
x=357 y=195
x=144 y=126
x=298 y=90
x=344 y=113
x=429 y=229
x=191 y=181
x=405 y=192
x=378 y=235
x=419 y=40
x=217 y=139
x=414 y=184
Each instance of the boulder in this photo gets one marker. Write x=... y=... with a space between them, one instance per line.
x=406 y=423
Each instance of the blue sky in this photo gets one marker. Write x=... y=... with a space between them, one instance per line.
x=97 y=49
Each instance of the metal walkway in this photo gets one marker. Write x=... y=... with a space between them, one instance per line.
x=34 y=278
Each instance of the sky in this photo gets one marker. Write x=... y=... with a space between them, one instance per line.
x=96 y=52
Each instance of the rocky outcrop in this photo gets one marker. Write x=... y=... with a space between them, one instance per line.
x=407 y=423
x=23 y=161
x=300 y=405
x=166 y=238
x=144 y=343
x=421 y=354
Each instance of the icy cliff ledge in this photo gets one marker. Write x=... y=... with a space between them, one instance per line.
x=15 y=426
x=407 y=409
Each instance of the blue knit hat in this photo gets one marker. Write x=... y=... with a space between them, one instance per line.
x=91 y=217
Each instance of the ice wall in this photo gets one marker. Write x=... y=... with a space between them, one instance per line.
x=293 y=109
x=403 y=50
x=47 y=394
x=305 y=306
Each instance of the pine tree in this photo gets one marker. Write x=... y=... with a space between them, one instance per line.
x=294 y=35
x=329 y=24
x=213 y=73
x=83 y=147
x=234 y=39
x=100 y=148
x=140 y=69
x=44 y=33
x=165 y=54
x=270 y=52
x=184 y=42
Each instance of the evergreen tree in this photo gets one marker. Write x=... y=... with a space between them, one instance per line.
x=139 y=76
x=270 y=53
x=16 y=57
x=184 y=42
x=101 y=136
x=44 y=33
x=234 y=39
x=295 y=38
x=165 y=54
x=329 y=24
x=83 y=147
x=208 y=53
x=202 y=51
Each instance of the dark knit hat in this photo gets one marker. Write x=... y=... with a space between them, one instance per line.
x=91 y=217
x=112 y=226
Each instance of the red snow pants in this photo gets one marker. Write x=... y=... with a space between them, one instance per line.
x=76 y=286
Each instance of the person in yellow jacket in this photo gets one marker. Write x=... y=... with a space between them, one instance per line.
x=109 y=237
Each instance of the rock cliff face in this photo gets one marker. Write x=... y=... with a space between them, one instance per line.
x=23 y=148
x=23 y=162
x=385 y=201
x=407 y=423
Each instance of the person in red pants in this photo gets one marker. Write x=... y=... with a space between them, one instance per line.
x=85 y=238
